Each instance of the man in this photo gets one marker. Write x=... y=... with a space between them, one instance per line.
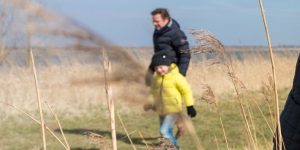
x=290 y=116
x=168 y=36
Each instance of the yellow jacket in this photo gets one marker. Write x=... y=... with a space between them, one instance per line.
x=167 y=92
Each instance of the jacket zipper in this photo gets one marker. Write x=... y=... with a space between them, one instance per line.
x=160 y=92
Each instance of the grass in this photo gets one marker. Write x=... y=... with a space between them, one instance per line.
x=19 y=132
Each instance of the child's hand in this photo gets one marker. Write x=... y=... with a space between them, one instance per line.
x=191 y=111
x=147 y=106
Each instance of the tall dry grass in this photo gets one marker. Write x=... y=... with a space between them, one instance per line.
x=73 y=85
x=278 y=137
x=252 y=70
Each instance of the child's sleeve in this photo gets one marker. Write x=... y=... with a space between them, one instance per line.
x=184 y=88
x=150 y=97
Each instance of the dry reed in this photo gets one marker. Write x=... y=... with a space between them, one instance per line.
x=191 y=130
x=216 y=140
x=3 y=21
x=110 y=102
x=279 y=139
x=209 y=97
x=144 y=141
x=128 y=135
x=60 y=128
x=38 y=99
x=209 y=44
x=166 y=144
x=99 y=140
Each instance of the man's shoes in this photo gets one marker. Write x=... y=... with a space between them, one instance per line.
x=160 y=146
x=179 y=132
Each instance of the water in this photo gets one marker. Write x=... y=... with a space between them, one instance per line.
x=46 y=58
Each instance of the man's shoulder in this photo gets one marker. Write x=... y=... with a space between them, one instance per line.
x=178 y=33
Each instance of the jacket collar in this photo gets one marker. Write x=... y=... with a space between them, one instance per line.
x=173 y=70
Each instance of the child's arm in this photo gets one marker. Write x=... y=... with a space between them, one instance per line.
x=184 y=88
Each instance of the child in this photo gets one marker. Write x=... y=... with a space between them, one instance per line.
x=168 y=87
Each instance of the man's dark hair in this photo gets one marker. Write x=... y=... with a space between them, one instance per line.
x=162 y=11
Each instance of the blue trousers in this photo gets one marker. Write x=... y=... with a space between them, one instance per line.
x=166 y=127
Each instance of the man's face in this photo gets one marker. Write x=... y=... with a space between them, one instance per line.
x=162 y=69
x=159 y=22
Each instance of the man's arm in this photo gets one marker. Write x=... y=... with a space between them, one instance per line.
x=149 y=76
x=179 y=42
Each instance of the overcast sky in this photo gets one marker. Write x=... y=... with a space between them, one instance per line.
x=233 y=22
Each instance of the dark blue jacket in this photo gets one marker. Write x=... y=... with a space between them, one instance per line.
x=290 y=116
x=173 y=39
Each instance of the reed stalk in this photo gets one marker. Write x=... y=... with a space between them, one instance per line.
x=253 y=99
x=2 y=43
x=61 y=130
x=273 y=122
x=130 y=133
x=209 y=97
x=110 y=102
x=191 y=130
x=29 y=38
x=278 y=140
x=252 y=123
x=126 y=132
x=223 y=128
x=243 y=113
x=265 y=139
x=144 y=141
x=217 y=142
x=38 y=99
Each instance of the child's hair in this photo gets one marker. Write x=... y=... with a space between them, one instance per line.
x=161 y=58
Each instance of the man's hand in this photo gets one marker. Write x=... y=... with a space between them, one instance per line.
x=191 y=111
x=147 y=106
x=148 y=78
